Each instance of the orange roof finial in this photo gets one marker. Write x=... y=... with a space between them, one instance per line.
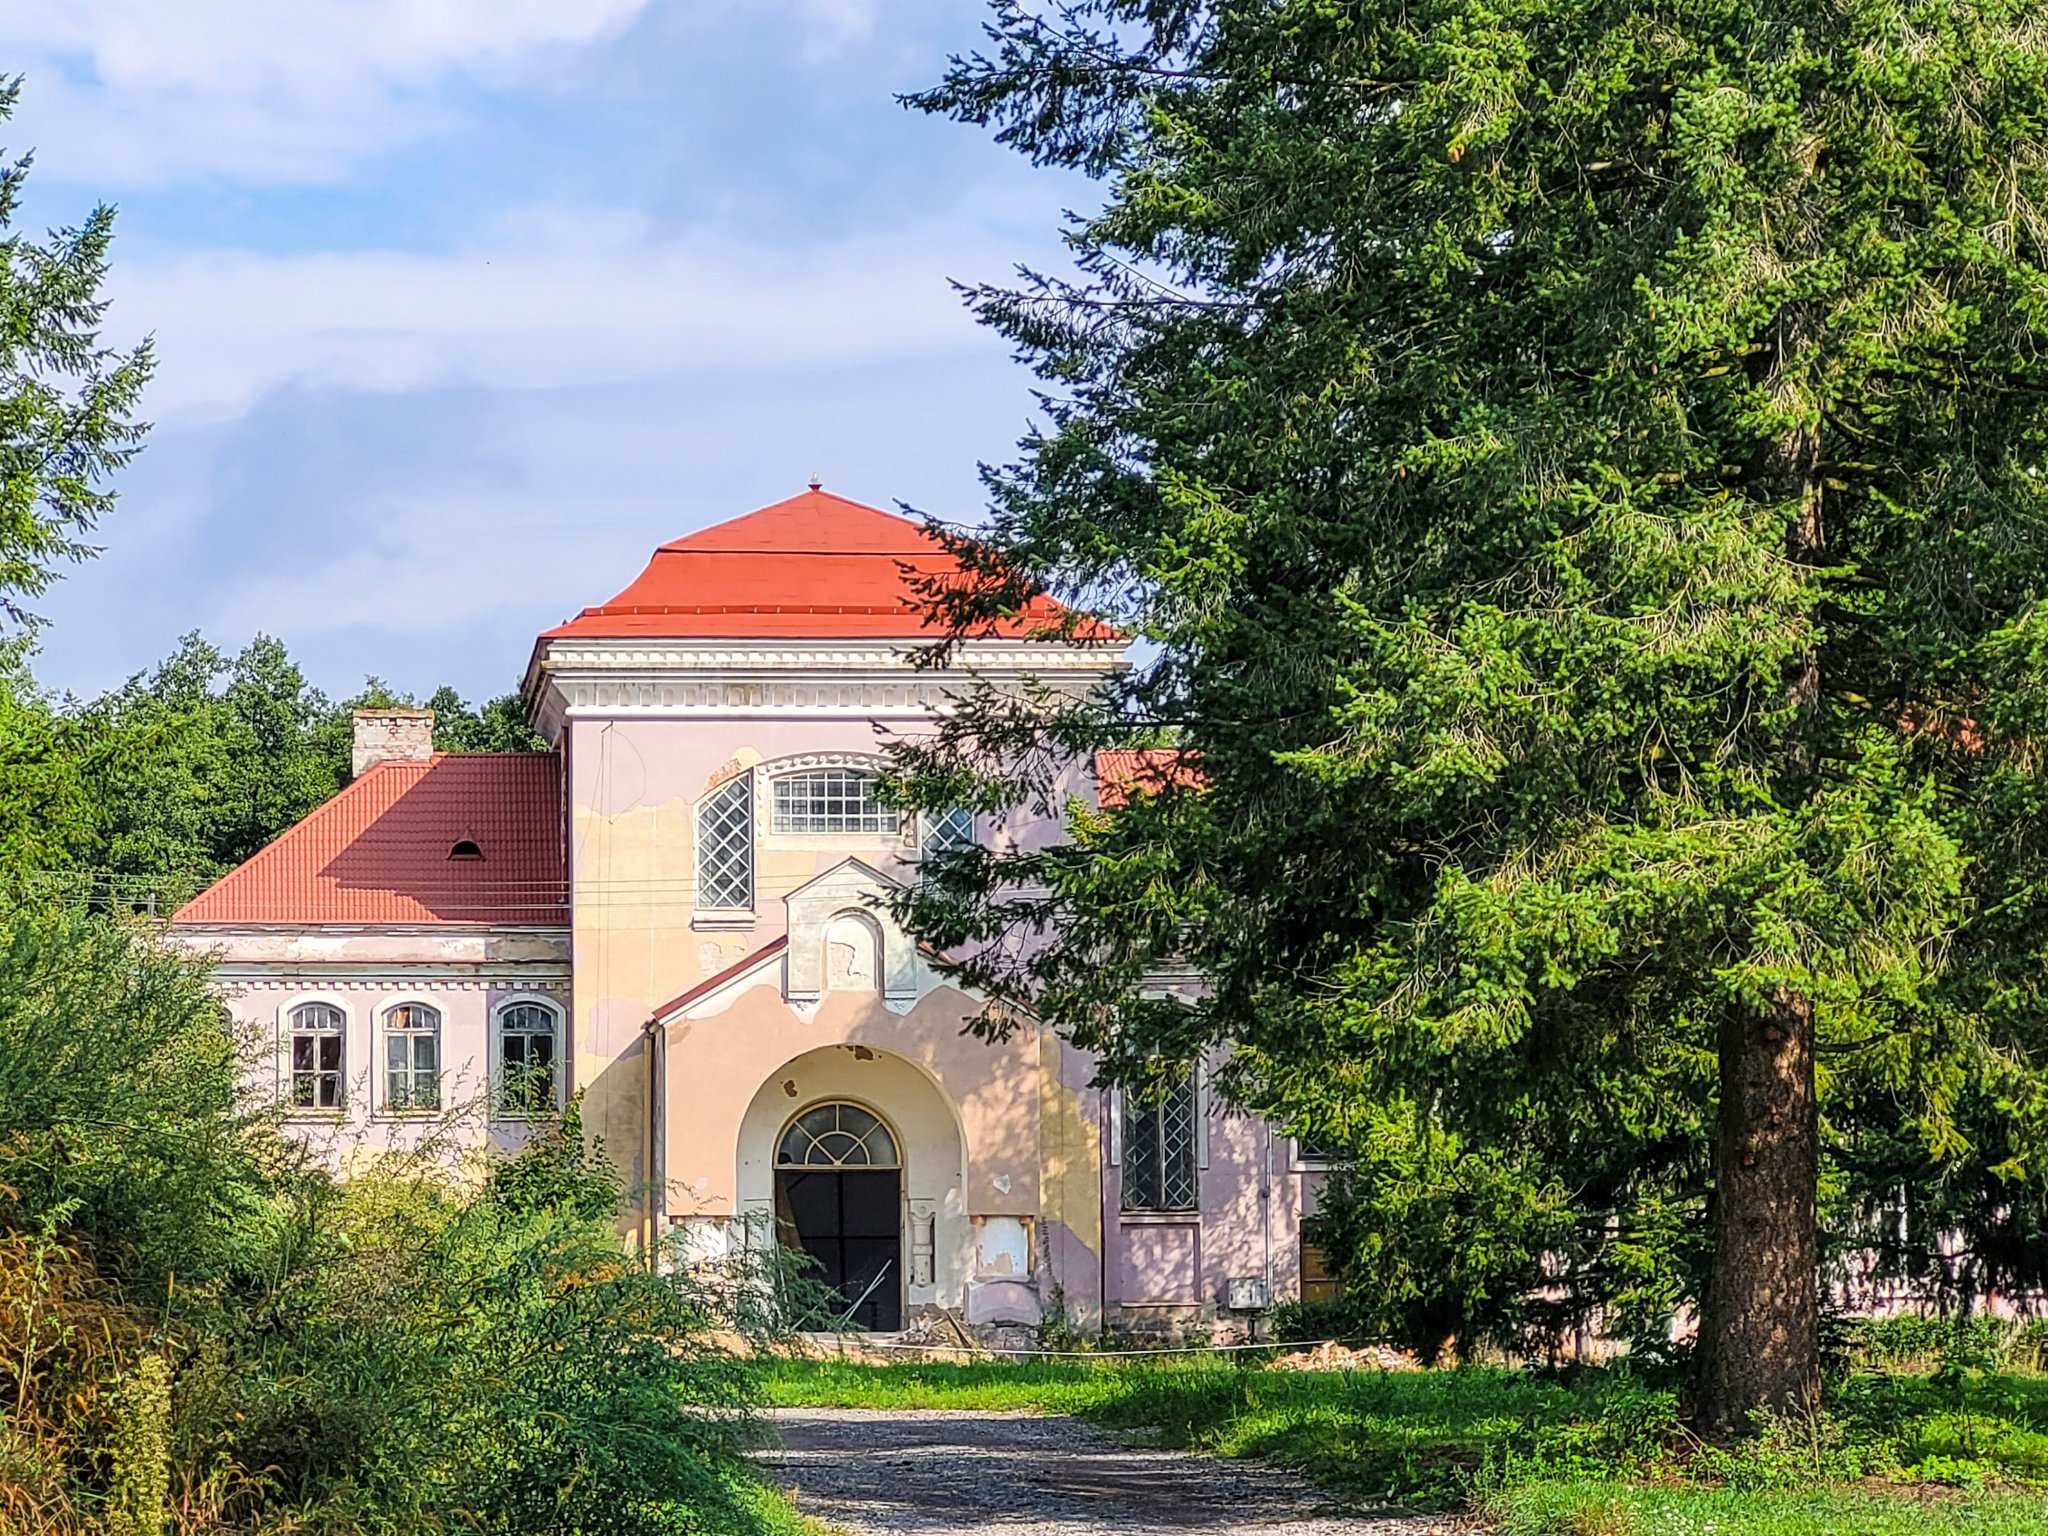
x=816 y=483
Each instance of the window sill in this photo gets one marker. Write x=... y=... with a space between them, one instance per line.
x=892 y=842
x=314 y=1116
x=405 y=1116
x=1161 y=1218
x=716 y=922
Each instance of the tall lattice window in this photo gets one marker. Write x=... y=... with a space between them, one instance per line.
x=527 y=1059
x=412 y=1057
x=318 y=1046
x=832 y=800
x=948 y=831
x=1159 y=1153
x=725 y=847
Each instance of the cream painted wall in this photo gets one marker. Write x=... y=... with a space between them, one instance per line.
x=718 y=1067
x=639 y=939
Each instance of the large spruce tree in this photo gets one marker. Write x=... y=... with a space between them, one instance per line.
x=1577 y=469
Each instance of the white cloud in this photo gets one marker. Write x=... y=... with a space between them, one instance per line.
x=560 y=299
x=127 y=93
x=321 y=46
x=134 y=92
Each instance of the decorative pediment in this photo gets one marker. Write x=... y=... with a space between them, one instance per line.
x=842 y=936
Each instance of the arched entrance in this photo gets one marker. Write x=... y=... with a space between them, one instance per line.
x=839 y=1198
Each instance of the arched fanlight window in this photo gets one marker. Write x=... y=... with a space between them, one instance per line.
x=837 y=1136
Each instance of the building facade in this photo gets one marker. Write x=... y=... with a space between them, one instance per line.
x=680 y=914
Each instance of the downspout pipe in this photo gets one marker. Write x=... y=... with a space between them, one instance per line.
x=651 y=1038
x=1103 y=1210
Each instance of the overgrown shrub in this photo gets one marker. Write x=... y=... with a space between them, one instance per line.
x=203 y=1333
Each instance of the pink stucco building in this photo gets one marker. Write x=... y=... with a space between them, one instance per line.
x=678 y=913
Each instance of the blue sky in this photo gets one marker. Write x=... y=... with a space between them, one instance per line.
x=462 y=306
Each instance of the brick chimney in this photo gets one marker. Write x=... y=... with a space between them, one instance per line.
x=392 y=736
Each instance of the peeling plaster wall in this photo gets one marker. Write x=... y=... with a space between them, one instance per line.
x=717 y=1065
x=1071 y=1157
x=634 y=784
x=1172 y=1273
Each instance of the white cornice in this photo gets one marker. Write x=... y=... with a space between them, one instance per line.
x=971 y=656
x=575 y=677
x=255 y=975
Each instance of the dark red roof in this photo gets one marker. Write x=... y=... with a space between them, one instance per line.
x=816 y=566
x=1124 y=771
x=712 y=983
x=379 y=852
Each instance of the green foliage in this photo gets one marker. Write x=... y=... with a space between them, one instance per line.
x=67 y=404
x=500 y=725
x=1577 y=473
x=139 y=1450
x=47 y=804
x=117 y=1098
x=1596 y=1508
x=201 y=1332
x=142 y=797
x=1929 y=1343
x=1478 y=1244
x=207 y=758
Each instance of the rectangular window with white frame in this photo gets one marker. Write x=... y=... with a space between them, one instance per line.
x=836 y=800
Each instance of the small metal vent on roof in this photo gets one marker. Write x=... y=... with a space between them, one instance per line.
x=466 y=848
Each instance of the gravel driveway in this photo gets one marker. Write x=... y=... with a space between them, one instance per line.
x=879 y=1472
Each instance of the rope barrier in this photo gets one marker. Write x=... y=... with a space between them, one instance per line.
x=1098 y=1354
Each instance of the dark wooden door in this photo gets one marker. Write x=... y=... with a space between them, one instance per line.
x=850 y=1220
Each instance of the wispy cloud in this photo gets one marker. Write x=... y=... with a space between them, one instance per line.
x=136 y=92
x=560 y=298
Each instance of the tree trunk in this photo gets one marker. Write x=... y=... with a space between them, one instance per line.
x=1760 y=1318
x=1759 y=1344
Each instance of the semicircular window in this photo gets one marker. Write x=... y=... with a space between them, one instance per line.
x=837 y=1136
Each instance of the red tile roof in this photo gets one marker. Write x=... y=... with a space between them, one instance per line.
x=1122 y=772
x=378 y=852
x=816 y=566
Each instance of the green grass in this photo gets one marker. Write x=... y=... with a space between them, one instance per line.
x=1604 y=1454
x=1591 y=1508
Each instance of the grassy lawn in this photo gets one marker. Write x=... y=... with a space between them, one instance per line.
x=1601 y=1455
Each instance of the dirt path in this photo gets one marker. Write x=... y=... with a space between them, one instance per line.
x=880 y=1472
